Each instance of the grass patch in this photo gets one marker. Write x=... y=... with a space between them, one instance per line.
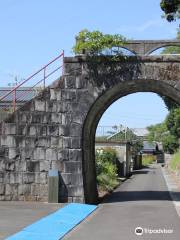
x=148 y=159
x=175 y=162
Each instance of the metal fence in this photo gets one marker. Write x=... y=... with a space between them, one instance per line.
x=12 y=99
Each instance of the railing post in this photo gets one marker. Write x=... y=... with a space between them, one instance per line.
x=44 y=79
x=63 y=63
x=14 y=101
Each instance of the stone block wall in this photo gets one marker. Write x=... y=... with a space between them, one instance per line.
x=45 y=134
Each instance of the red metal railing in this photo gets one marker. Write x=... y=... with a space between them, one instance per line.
x=31 y=86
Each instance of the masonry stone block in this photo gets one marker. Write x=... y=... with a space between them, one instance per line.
x=37 y=177
x=69 y=95
x=2 y=189
x=63 y=154
x=8 y=140
x=75 y=129
x=75 y=191
x=1 y=177
x=13 y=153
x=8 y=189
x=20 y=189
x=20 y=165
x=53 y=94
x=75 y=142
x=35 y=189
x=72 y=179
x=44 y=166
x=39 y=105
x=51 y=154
x=51 y=106
x=66 y=142
x=43 y=177
x=66 y=119
x=62 y=107
x=53 y=130
x=33 y=166
x=10 y=166
x=10 y=128
x=59 y=95
x=39 y=153
x=32 y=131
x=54 y=141
x=43 y=191
x=63 y=130
x=70 y=82
x=44 y=142
x=75 y=154
x=78 y=199
x=20 y=142
x=80 y=82
x=26 y=189
x=21 y=129
x=73 y=167
x=56 y=118
x=24 y=116
x=28 y=177
x=3 y=151
x=41 y=130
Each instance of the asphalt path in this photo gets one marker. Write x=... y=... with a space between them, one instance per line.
x=141 y=201
x=14 y=216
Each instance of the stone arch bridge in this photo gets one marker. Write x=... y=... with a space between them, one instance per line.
x=56 y=130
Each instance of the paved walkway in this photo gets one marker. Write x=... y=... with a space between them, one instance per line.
x=141 y=201
x=16 y=215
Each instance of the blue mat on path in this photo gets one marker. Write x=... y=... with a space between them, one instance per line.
x=55 y=225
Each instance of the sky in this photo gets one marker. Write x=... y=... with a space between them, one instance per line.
x=35 y=31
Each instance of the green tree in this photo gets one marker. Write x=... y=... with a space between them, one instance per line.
x=171 y=50
x=96 y=43
x=170 y=143
x=157 y=132
x=173 y=122
x=171 y=9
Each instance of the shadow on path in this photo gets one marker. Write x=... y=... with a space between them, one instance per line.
x=123 y=195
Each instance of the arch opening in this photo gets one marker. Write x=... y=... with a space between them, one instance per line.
x=157 y=50
x=96 y=112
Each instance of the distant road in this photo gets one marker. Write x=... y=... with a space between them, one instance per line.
x=142 y=201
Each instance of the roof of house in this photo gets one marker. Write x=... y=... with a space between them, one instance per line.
x=140 y=132
x=23 y=94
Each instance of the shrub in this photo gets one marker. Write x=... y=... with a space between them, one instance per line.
x=106 y=169
x=96 y=42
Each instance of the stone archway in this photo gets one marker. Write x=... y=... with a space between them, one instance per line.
x=56 y=129
x=94 y=115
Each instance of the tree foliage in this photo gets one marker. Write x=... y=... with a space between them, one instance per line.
x=168 y=132
x=173 y=122
x=171 y=9
x=171 y=50
x=170 y=143
x=96 y=43
x=157 y=132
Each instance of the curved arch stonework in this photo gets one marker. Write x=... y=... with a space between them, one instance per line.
x=56 y=130
x=146 y=47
